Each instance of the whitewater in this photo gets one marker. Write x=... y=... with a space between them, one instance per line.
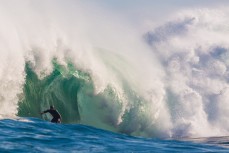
x=156 y=86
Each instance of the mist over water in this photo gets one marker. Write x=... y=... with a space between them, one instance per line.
x=169 y=80
x=194 y=51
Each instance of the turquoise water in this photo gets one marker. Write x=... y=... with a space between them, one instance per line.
x=73 y=94
x=35 y=135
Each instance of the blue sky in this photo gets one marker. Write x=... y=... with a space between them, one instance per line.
x=161 y=5
x=154 y=9
x=120 y=4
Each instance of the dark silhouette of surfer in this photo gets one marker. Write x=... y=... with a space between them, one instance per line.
x=55 y=114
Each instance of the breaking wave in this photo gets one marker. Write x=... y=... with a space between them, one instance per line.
x=171 y=81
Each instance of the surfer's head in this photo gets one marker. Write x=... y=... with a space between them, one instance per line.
x=51 y=107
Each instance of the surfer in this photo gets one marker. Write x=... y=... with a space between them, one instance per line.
x=55 y=114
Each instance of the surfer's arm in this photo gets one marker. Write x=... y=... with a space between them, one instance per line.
x=44 y=112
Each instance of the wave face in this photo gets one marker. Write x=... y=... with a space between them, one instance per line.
x=73 y=94
x=96 y=69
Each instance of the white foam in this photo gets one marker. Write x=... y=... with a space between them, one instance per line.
x=194 y=55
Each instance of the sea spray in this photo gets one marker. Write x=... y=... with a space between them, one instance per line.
x=193 y=49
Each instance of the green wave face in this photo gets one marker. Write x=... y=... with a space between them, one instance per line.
x=72 y=93
x=55 y=89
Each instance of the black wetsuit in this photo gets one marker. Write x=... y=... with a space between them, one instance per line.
x=56 y=116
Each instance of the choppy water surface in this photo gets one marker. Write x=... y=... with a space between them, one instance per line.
x=35 y=135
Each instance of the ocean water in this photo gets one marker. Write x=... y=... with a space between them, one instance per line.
x=122 y=83
x=35 y=135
